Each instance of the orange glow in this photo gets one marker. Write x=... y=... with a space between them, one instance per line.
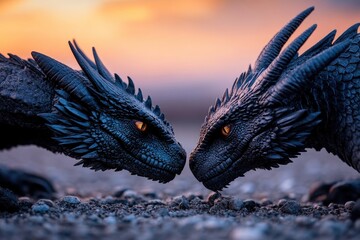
x=161 y=41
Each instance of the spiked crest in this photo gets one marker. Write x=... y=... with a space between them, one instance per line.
x=267 y=127
x=83 y=97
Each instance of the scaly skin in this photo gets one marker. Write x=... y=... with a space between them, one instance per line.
x=282 y=106
x=88 y=115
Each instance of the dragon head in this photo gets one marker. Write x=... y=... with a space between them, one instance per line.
x=101 y=120
x=255 y=125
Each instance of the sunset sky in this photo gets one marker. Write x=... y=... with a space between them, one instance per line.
x=164 y=44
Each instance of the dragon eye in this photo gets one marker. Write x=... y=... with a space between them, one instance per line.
x=141 y=126
x=225 y=130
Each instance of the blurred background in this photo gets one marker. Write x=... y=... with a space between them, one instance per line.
x=184 y=54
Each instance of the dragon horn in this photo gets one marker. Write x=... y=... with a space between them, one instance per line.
x=66 y=78
x=100 y=82
x=273 y=72
x=273 y=48
x=304 y=73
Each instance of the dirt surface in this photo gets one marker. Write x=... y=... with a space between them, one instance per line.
x=261 y=205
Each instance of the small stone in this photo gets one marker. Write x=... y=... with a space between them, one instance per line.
x=349 y=205
x=196 y=201
x=211 y=198
x=180 y=201
x=333 y=206
x=250 y=204
x=265 y=202
x=281 y=202
x=47 y=202
x=155 y=202
x=151 y=194
x=130 y=194
x=184 y=204
x=71 y=200
x=119 y=192
x=290 y=207
x=108 y=200
x=236 y=204
x=40 y=208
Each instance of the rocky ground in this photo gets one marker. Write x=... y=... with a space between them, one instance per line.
x=262 y=205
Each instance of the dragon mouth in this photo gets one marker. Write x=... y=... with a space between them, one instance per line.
x=152 y=169
x=233 y=167
x=221 y=179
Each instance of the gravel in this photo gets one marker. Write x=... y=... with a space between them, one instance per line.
x=138 y=216
x=112 y=205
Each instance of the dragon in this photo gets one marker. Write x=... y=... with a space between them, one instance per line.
x=87 y=114
x=285 y=103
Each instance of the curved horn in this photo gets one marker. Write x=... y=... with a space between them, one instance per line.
x=304 y=72
x=272 y=49
x=273 y=72
x=65 y=77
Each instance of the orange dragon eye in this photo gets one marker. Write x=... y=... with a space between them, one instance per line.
x=225 y=130
x=141 y=126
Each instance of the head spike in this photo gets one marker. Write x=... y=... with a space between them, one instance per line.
x=140 y=95
x=88 y=60
x=66 y=78
x=157 y=110
x=304 y=72
x=118 y=81
x=90 y=72
x=101 y=67
x=131 y=87
x=273 y=48
x=273 y=72
x=148 y=102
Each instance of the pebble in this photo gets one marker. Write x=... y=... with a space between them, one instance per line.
x=150 y=194
x=281 y=202
x=108 y=200
x=236 y=204
x=349 y=205
x=250 y=204
x=155 y=202
x=265 y=202
x=47 y=202
x=130 y=194
x=181 y=201
x=212 y=196
x=40 y=207
x=290 y=207
x=71 y=200
x=119 y=192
